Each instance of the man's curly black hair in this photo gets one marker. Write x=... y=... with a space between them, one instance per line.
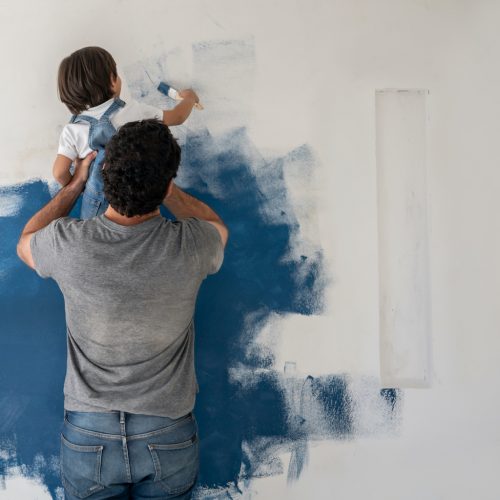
x=140 y=161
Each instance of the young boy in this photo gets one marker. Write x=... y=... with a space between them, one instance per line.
x=89 y=86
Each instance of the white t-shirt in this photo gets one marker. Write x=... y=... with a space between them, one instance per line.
x=74 y=140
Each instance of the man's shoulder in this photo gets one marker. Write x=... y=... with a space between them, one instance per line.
x=76 y=235
x=50 y=244
x=71 y=226
x=68 y=222
x=205 y=243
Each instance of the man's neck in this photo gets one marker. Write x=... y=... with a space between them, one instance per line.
x=123 y=220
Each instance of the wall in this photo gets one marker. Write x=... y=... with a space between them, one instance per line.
x=286 y=150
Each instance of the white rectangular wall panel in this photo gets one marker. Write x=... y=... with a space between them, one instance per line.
x=403 y=238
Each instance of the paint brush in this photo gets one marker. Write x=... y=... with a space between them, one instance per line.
x=169 y=91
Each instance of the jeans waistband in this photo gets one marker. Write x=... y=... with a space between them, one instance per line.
x=117 y=422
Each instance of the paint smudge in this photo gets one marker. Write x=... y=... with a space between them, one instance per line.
x=10 y=204
x=222 y=73
x=144 y=77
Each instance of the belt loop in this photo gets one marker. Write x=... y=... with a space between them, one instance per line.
x=122 y=417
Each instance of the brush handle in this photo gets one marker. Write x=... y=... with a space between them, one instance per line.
x=169 y=91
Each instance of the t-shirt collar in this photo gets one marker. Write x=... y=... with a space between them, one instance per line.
x=99 y=109
x=142 y=226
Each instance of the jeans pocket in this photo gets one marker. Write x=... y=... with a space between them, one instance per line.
x=176 y=464
x=81 y=468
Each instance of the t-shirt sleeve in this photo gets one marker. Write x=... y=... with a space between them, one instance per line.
x=67 y=144
x=44 y=250
x=207 y=245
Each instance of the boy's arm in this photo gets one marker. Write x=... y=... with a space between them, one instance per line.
x=60 y=170
x=179 y=114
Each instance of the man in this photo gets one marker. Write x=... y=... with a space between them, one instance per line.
x=130 y=279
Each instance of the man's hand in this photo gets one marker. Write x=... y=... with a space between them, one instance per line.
x=82 y=166
x=59 y=206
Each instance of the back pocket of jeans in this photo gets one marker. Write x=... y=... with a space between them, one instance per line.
x=176 y=464
x=81 y=468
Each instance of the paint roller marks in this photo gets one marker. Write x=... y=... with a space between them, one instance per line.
x=264 y=412
x=32 y=354
x=243 y=426
x=315 y=409
x=144 y=77
x=221 y=72
x=13 y=202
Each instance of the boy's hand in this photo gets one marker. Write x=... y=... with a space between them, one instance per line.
x=82 y=166
x=178 y=115
x=189 y=94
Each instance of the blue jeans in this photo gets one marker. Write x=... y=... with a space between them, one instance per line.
x=124 y=455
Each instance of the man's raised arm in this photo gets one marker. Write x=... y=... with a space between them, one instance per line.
x=183 y=205
x=59 y=206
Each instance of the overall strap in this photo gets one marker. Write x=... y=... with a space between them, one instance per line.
x=83 y=118
x=115 y=106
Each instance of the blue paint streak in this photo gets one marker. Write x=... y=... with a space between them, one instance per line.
x=32 y=346
x=391 y=396
x=255 y=281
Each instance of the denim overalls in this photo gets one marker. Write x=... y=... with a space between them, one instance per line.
x=93 y=200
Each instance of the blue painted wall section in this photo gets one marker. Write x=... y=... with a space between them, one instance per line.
x=258 y=279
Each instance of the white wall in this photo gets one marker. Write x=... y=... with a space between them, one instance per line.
x=316 y=68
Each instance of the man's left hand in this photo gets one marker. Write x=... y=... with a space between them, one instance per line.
x=82 y=166
x=59 y=206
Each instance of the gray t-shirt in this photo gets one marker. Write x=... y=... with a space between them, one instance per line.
x=130 y=294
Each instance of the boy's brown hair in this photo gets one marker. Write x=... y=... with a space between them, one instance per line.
x=84 y=78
